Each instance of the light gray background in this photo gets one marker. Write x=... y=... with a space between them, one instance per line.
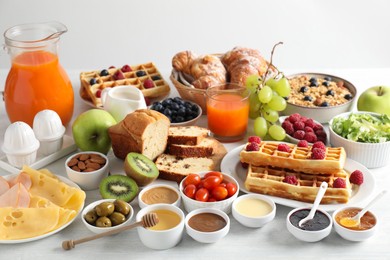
x=316 y=34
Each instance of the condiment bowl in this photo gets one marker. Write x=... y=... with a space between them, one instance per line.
x=168 y=232
x=354 y=235
x=87 y=180
x=99 y=230
x=314 y=235
x=371 y=155
x=224 y=205
x=253 y=210
x=159 y=193
x=207 y=225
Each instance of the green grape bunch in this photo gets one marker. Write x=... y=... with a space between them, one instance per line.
x=267 y=99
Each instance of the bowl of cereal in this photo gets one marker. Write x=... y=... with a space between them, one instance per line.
x=319 y=96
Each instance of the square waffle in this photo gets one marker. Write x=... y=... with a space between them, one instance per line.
x=136 y=77
x=269 y=181
x=298 y=159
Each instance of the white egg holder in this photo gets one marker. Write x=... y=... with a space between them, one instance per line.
x=42 y=160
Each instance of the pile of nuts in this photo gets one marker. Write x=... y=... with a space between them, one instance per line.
x=86 y=162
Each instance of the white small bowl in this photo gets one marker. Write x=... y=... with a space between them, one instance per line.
x=87 y=180
x=371 y=155
x=306 y=235
x=253 y=221
x=161 y=239
x=224 y=205
x=204 y=236
x=165 y=194
x=353 y=235
x=99 y=230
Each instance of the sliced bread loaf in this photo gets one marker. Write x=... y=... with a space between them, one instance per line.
x=204 y=149
x=187 y=135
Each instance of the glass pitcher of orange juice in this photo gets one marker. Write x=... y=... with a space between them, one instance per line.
x=36 y=80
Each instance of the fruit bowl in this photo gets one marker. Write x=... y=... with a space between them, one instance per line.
x=320 y=113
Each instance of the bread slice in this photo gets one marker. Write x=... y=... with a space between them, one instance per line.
x=204 y=149
x=175 y=168
x=144 y=131
x=187 y=135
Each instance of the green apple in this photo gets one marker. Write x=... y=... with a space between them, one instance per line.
x=90 y=130
x=375 y=99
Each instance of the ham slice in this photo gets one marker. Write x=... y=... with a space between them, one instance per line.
x=22 y=178
x=4 y=185
x=17 y=197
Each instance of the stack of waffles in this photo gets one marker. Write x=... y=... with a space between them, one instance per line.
x=268 y=168
x=145 y=77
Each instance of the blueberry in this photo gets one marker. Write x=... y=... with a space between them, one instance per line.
x=348 y=96
x=181 y=112
x=327 y=78
x=175 y=106
x=324 y=104
x=180 y=119
x=303 y=89
x=326 y=83
x=188 y=105
x=178 y=100
x=140 y=73
x=167 y=102
x=155 y=77
x=92 y=81
x=313 y=79
x=104 y=73
x=308 y=98
x=330 y=93
x=158 y=107
x=313 y=84
x=167 y=112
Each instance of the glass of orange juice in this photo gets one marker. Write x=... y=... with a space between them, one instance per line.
x=227 y=111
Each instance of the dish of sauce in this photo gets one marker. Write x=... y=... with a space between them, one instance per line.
x=252 y=207
x=207 y=222
x=160 y=195
x=320 y=220
x=367 y=221
x=167 y=220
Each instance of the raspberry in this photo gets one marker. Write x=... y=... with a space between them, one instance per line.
x=310 y=137
x=111 y=67
x=303 y=119
x=98 y=93
x=288 y=127
x=299 y=125
x=302 y=143
x=317 y=154
x=319 y=145
x=294 y=118
x=244 y=165
x=283 y=148
x=291 y=180
x=126 y=68
x=118 y=75
x=318 y=127
x=321 y=139
x=356 y=177
x=254 y=139
x=339 y=183
x=321 y=133
x=310 y=123
x=308 y=129
x=299 y=134
x=252 y=147
x=148 y=83
x=147 y=101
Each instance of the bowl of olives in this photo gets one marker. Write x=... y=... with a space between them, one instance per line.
x=107 y=214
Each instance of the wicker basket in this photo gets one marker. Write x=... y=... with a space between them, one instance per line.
x=188 y=92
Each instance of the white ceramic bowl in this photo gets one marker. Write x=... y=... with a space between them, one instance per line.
x=224 y=205
x=371 y=155
x=353 y=235
x=161 y=239
x=159 y=193
x=87 y=180
x=253 y=221
x=99 y=230
x=322 y=114
x=306 y=235
x=204 y=236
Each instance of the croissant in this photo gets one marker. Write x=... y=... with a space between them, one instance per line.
x=208 y=70
x=182 y=61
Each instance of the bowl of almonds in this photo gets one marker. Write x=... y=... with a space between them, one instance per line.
x=87 y=169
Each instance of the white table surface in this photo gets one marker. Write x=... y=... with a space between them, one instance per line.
x=273 y=241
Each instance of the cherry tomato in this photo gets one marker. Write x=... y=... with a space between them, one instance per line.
x=231 y=189
x=190 y=190
x=218 y=174
x=202 y=195
x=211 y=182
x=192 y=178
x=222 y=184
x=211 y=200
x=219 y=193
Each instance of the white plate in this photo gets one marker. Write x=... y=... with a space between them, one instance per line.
x=24 y=240
x=231 y=165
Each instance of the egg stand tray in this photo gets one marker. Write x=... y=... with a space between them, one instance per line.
x=68 y=146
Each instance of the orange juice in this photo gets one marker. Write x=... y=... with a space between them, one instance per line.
x=227 y=114
x=36 y=82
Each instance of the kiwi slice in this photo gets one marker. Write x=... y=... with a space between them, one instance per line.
x=140 y=168
x=118 y=187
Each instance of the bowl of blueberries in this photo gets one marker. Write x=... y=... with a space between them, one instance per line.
x=180 y=112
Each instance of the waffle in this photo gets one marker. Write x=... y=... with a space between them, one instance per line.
x=298 y=158
x=92 y=92
x=267 y=180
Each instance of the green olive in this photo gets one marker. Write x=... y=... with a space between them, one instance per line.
x=122 y=207
x=105 y=209
x=103 y=222
x=117 y=218
x=91 y=217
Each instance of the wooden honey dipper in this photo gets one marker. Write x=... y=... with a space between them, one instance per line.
x=148 y=220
